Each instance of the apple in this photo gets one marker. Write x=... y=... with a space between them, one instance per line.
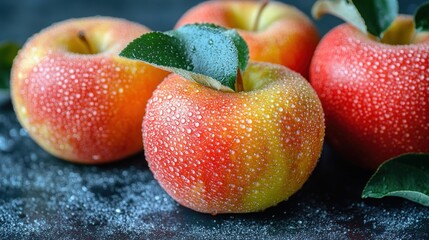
x=282 y=34
x=76 y=97
x=375 y=93
x=234 y=152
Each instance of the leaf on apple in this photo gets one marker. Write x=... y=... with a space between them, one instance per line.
x=368 y=16
x=341 y=9
x=203 y=53
x=421 y=17
x=378 y=15
x=406 y=176
x=8 y=52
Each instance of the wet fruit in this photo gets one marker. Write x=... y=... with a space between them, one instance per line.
x=76 y=97
x=375 y=94
x=231 y=152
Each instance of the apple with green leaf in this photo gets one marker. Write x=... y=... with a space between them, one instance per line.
x=274 y=31
x=372 y=76
x=221 y=135
x=76 y=97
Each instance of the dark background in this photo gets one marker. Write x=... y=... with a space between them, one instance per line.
x=19 y=19
x=42 y=197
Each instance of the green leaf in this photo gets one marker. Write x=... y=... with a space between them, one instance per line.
x=421 y=17
x=204 y=53
x=406 y=176
x=8 y=51
x=369 y=16
x=377 y=14
x=342 y=9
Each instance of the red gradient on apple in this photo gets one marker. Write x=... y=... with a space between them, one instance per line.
x=76 y=97
x=375 y=95
x=223 y=152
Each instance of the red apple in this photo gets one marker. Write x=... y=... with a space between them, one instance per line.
x=283 y=34
x=375 y=94
x=76 y=97
x=232 y=152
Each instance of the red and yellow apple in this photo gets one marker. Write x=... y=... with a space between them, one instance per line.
x=283 y=35
x=375 y=94
x=234 y=152
x=76 y=97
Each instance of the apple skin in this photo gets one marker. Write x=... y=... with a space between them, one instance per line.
x=82 y=107
x=375 y=95
x=222 y=152
x=285 y=35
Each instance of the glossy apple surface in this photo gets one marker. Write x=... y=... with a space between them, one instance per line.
x=375 y=95
x=76 y=97
x=283 y=36
x=219 y=152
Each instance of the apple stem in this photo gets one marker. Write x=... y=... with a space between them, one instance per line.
x=85 y=41
x=239 y=86
x=258 y=16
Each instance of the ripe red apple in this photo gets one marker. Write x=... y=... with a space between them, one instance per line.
x=76 y=97
x=282 y=35
x=231 y=152
x=375 y=94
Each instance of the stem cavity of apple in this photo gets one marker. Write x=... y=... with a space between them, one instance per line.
x=82 y=37
x=264 y=4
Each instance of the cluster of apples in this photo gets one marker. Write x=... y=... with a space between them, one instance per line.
x=216 y=151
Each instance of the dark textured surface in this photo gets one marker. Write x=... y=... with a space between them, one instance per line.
x=42 y=197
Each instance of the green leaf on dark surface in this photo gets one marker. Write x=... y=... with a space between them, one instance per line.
x=8 y=51
x=204 y=53
x=421 y=17
x=377 y=14
x=406 y=176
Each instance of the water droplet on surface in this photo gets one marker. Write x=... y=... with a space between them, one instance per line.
x=6 y=144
